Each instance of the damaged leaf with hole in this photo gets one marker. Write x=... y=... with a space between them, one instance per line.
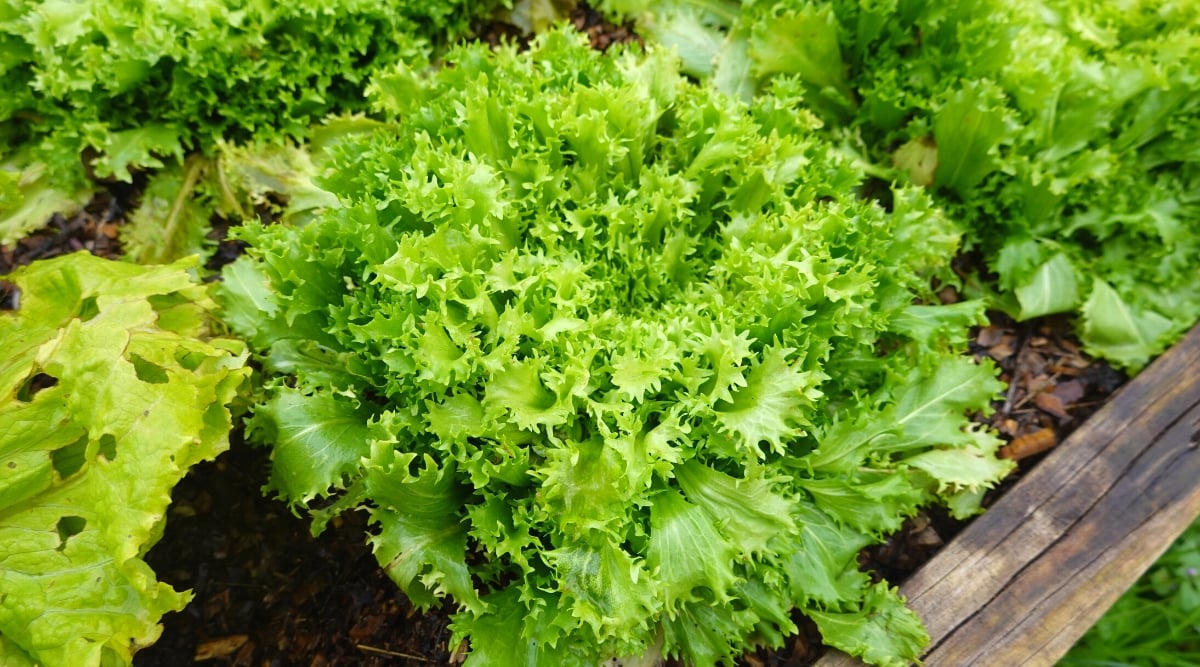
x=109 y=392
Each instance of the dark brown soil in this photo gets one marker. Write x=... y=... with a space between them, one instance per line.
x=267 y=592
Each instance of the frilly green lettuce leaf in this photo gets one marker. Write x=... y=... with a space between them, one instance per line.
x=1062 y=136
x=107 y=397
x=694 y=29
x=878 y=631
x=821 y=560
x=705 y=631
x=130 y=86
x=510 y=634
x=319 y=440
x=421 y=542
x=771 y=406
x=143 y=147
x=582 y=338
x=688 y=551
x=919 y=412
x=747 y=509
x=604 y=586
x=803 y=39
x=869 y=502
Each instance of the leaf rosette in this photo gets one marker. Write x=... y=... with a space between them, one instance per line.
x=588 y=342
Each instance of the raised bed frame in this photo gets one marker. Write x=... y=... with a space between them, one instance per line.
x=1025 y=580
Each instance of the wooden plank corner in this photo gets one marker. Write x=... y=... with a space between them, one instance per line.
x=1025 y=580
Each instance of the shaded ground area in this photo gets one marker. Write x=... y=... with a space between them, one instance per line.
x=267 y=592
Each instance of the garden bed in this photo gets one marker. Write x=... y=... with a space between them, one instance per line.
x=326 y=600
x=593 y=356
x=266 y=590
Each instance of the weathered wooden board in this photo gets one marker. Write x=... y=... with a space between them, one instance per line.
x=1024 y=581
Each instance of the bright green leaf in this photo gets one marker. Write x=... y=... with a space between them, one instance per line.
x=1051 y=289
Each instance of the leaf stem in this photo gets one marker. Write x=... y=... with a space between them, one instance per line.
x=194 y=167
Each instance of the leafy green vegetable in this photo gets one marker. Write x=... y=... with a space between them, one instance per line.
x=1061 y=134
x=173 y=217
x=270 y=180
x=121 y=86
x=29 y=196
x=107 y=397
x=617 y=365
x=534 y=16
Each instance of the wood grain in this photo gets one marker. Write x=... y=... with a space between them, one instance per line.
x=1024 y=581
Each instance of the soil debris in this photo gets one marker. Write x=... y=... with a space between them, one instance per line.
x=1053 y=385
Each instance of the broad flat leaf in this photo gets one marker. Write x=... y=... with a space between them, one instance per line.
x=422 y=540
x=259 y=173
x=734 y=73
x=701 y=632
x=687 y=551
x=966 y=467
x=1051 y=289
x=585 y=490
x=750 y=513
x=518 y=392
x=928 y=411
x=44 y=427
x=805 y=43
x=94 y=456
x=872 y=503
x=1121 y=334
x=948 y=322
x=968 y=128
x=931 y=411
x=605 y=587
x=694 y=33
x=248 y=304
x=533 y=16
x=918 y=159
x=821 y=560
